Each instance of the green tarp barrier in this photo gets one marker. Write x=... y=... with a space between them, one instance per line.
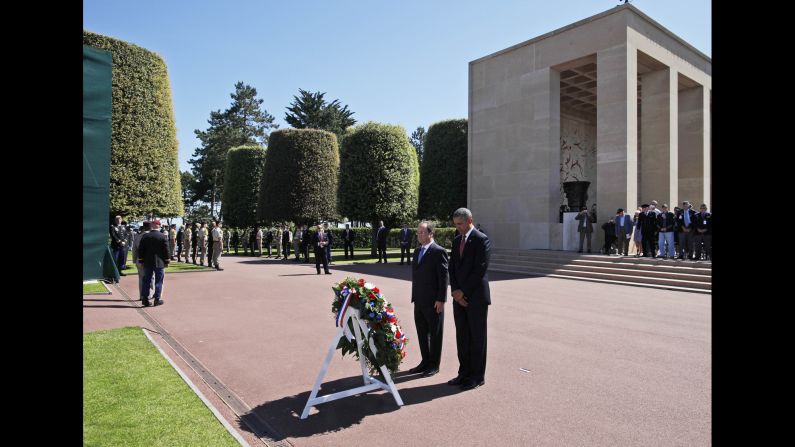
x=97 y=101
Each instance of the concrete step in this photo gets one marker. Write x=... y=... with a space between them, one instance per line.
x=569 y=257
x=669 y=267
x=508 y=269
x=619 y=269
x=621 y=276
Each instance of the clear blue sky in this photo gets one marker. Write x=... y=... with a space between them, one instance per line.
x=402 y=62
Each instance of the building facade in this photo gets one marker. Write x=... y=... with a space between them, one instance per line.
x=616 y=100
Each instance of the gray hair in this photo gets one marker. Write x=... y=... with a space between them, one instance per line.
x=462 y=212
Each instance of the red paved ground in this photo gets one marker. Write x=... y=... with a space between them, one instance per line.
x=609 y=364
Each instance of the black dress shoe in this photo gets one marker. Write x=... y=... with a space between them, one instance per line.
x=457 y=381
x=430 y=372
x=418 y=369
x=158 y=302
x=472 y=384
x=145 y=302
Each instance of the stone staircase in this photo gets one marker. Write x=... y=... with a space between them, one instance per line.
x=682 y=275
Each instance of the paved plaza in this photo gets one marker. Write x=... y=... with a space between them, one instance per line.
x=569 y=362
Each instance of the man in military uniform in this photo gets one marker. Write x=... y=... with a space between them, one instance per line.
x=172 y=241
x=202 y=243
x=259 y=242
x=277 y=237
x=195 y=240
x=217 y=236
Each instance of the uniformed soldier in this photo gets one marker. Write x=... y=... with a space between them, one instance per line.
x=202 y=244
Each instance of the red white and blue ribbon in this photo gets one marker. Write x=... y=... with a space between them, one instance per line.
x=346 y=295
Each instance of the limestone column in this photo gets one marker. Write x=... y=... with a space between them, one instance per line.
x=616 y=131
x=542 y=180
x=659 y=122
x=691 y=146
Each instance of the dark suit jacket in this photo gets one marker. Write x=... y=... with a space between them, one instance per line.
x=117 y=236
x=669 y=222
x=381 y=235
x=701 y=226
x=429 y=277
x=589 y=227
x=648 y=223
x=329 y=237
x=348 y=235
x=470 y=273
x=153 y=250
x=405 y=237
x=315 y=241
x=680 y=220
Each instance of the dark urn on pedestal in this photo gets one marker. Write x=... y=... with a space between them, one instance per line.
x=576 y=193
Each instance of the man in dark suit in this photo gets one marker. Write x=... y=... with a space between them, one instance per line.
x=623 y=231
x=117 y=242
x=269 y=241
x=648 y=226
x=348 y=237
x=685 y=226
x=380 y=238
x=330 y=239
x=429 y=293
x=153 y=254
x=585 y=228
x=703 y=233
x=319 y=242
x=469 y=282
x=405 y=241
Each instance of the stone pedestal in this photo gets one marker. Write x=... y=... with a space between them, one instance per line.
x=571 y=239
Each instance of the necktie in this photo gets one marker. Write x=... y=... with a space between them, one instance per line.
x=687 y=217
x=422 y=253
x=461 y=247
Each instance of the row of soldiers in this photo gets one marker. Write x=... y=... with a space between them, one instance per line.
x=197 y=241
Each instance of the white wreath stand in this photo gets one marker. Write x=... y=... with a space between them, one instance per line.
x=359 y=327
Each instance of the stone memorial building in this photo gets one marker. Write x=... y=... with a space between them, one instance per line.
x=616 y=100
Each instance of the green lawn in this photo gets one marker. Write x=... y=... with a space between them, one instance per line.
x=133 y=397
x=173 y=267
x=94 y=287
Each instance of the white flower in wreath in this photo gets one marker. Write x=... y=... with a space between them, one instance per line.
x=369 y=285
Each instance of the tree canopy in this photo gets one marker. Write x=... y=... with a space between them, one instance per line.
x=379 y=176
x=299 y=181
x=144 y=166
x=245 y=122
x=311 y=111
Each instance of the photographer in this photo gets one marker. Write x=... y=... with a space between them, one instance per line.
x=585 y=228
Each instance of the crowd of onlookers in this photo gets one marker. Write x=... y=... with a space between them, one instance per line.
x=652 y=231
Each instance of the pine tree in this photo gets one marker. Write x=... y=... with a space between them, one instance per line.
x=311 y=111
x=245 y=122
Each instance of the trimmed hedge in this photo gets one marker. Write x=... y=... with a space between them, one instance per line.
x=443 y=184
x=144 y=167
x=299 y=181
x=363 y=237
x=242 y=178
x=379 y=174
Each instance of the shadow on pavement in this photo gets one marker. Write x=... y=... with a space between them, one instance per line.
x=284 y=414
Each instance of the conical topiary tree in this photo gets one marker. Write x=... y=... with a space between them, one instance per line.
x=242 y=178
x=144 y=167
x=379 y=175
x=299 y=180
x=443 y=179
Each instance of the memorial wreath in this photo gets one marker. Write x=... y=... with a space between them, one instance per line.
x=388 y=338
